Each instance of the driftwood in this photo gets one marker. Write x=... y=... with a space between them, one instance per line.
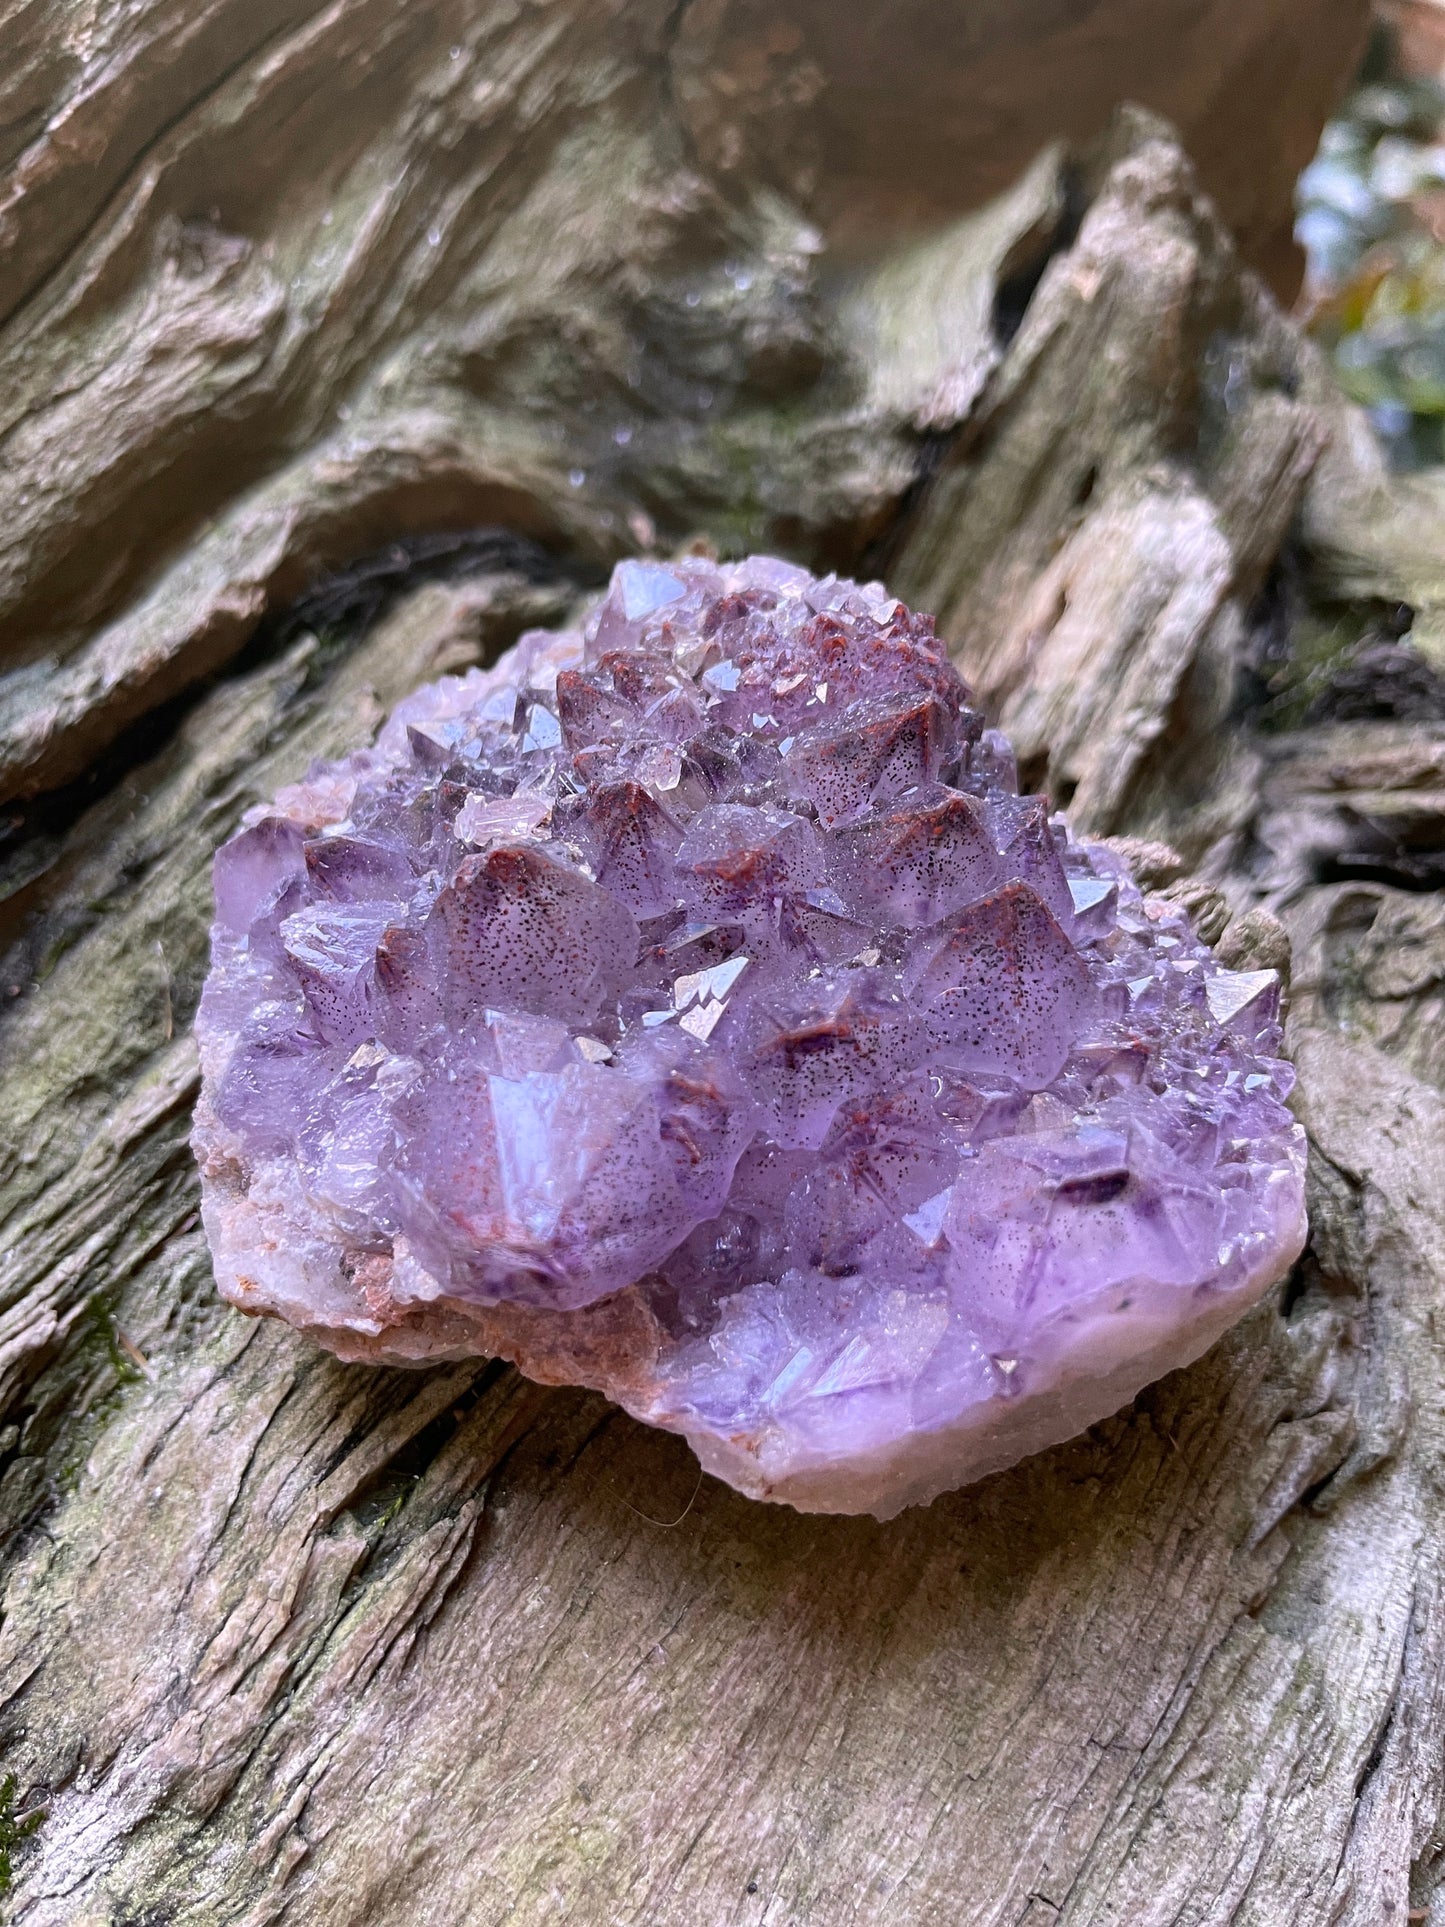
x=285 y=1640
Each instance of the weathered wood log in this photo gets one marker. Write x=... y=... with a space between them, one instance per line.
x=287 y=1640
x=279 y=284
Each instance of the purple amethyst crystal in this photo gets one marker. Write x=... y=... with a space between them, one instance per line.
x=693 y=1008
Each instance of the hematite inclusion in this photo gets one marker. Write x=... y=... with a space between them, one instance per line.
x=693 y=1008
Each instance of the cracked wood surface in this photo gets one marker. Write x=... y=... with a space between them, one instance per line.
x=287 y=1641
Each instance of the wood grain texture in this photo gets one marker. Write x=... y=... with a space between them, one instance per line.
x=280 y=281
x=287 y=1641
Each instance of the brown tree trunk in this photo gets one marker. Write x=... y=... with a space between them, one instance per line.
x=284 y=1640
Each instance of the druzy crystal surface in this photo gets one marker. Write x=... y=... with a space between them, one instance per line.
x=693 y=1008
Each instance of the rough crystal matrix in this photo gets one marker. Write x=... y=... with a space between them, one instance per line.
x=694 y=1009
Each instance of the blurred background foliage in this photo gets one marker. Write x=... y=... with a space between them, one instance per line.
x=1372 y=224
x=1371 y=221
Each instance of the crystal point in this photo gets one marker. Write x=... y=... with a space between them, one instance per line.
x=691 y=1007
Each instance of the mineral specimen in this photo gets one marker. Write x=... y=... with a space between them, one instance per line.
x=693 y=1008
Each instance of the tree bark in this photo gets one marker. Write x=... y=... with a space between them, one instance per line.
x=284 y=1640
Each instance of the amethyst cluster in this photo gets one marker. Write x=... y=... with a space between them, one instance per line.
x=693 y=1008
